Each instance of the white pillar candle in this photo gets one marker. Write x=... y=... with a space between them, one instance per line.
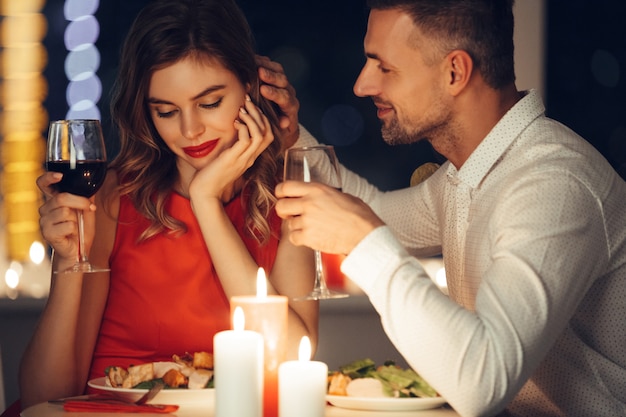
x=302 y=385
x=238 y=356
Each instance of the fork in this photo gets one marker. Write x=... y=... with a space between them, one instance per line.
x=152 y=392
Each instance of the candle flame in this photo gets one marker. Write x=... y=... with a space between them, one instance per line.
x=239 y=320
x=304 y=351
x=261 y=283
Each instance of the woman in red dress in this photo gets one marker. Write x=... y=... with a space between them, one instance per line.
x=186 y=215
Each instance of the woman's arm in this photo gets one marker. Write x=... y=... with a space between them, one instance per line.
x=233 y=263
x=219 y=181
x=49 y=367
x=292 y=276
x=57 y=359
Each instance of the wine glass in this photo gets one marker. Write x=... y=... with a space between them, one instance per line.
x=76 y=149
x=315 y=164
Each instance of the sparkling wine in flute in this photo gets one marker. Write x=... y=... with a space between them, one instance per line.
x=315 y=164
x=76 y=149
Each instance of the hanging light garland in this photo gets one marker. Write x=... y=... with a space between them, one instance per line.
x=22 y=121
x=83 y=59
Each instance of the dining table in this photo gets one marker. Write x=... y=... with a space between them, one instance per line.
x=205 y=409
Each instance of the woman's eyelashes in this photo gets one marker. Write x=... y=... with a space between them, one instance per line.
x=165 y=115
x=209 y=106
x=213 y=105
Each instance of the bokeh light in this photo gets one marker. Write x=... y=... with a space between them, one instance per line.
x=83 y=60
x=342 y=125
x=605 y=68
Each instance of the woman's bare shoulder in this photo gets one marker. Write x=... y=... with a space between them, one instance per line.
x=108 y=197
x=107 y=213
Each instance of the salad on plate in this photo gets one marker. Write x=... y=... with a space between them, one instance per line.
x=361 y=385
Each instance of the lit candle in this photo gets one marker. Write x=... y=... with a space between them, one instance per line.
x=302 y=385
x=238 y=368
x=267 y=314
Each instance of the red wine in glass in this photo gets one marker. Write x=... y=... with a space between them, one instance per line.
x=85 y=179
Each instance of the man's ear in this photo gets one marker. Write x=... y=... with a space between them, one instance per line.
x=459 y=67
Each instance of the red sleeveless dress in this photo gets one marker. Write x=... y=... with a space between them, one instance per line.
x=165 y=297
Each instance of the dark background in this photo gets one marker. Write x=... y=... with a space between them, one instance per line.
x=320 y=45
x=586 y=72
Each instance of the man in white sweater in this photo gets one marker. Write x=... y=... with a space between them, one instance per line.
x=530 y=219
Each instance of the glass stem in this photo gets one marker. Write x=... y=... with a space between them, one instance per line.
x=82 y=257
x=320 y=283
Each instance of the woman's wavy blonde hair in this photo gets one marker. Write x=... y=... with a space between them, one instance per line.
x=163 y=33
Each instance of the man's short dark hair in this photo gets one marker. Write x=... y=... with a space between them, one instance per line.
x=482 y=28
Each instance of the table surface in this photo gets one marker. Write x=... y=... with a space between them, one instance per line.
x=206 y=410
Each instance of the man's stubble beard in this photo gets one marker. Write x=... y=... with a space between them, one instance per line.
x=395 y=133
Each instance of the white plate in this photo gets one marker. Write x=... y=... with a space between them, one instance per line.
x=385 y=404
x=178 y=396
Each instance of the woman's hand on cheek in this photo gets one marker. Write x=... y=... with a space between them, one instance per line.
x=254 y=135
x=254 y=132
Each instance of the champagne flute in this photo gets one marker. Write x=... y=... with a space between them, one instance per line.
x=315 y=164
x=76 y=149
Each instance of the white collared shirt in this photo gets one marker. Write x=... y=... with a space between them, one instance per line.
x=533 y=234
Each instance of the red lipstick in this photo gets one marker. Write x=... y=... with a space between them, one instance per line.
x=201 y=150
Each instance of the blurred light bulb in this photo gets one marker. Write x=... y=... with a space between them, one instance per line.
x=37 y=252
x=17 y=267
x=12 y=278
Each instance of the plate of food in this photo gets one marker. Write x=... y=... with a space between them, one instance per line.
x=187 y=379
x=361 y=385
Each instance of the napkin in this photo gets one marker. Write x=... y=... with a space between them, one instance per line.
x=113 y=406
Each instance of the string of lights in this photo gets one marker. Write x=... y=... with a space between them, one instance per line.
x=83 y=59
x=22 y=121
